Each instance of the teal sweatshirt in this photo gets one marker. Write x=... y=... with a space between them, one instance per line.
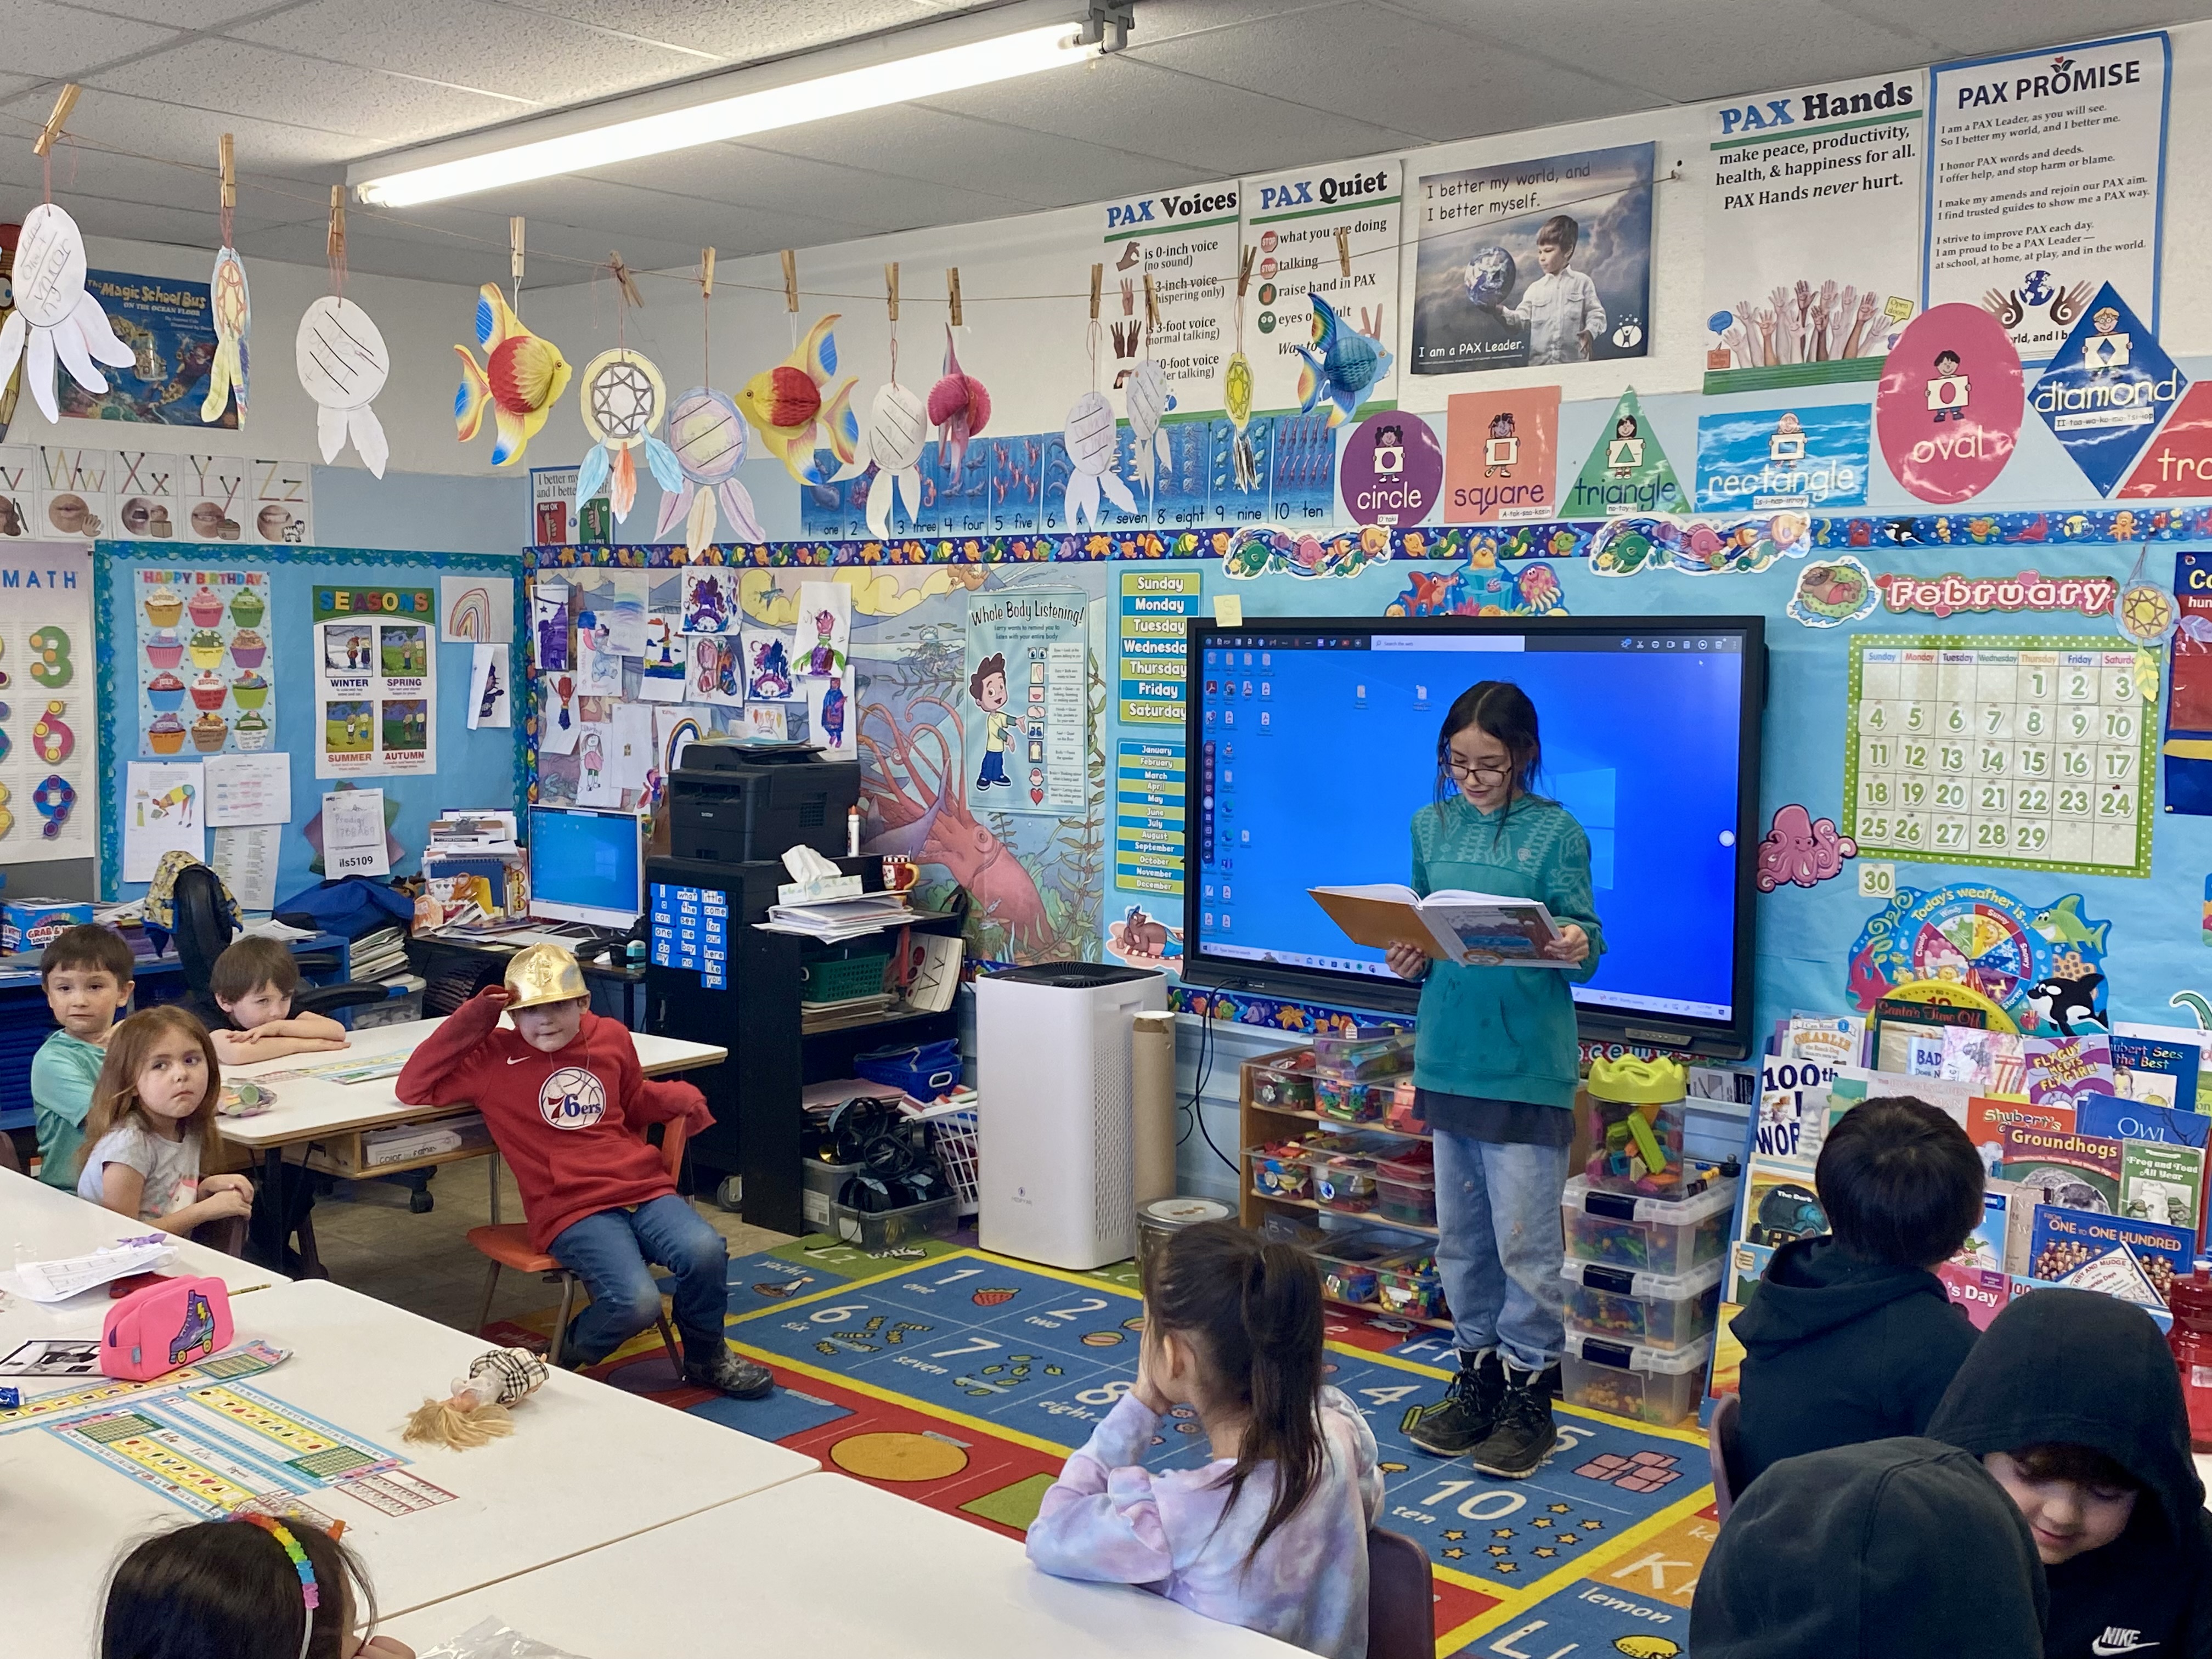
x=1504 y=1033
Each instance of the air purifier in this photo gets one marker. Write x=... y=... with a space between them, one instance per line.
x=1055 y=1147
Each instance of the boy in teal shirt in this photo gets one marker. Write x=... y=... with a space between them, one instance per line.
x=1496 y=1064
x=85 y=972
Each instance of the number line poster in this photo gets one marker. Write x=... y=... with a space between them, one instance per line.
x=2026 y=752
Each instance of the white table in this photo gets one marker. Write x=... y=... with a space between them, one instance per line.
x=587 y=1466
x=39 y=1223
x=826 y=1565
x=319 y=1109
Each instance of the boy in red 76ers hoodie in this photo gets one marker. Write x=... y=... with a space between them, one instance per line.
x=568 y=1106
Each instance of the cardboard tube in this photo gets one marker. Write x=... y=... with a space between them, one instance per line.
x=1152 y=1102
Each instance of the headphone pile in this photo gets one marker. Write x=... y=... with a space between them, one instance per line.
x=898 y=1169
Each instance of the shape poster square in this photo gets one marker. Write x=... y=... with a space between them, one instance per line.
x=2022 y=752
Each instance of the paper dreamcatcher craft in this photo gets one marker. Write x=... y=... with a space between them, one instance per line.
x=621 y=396
x=707 y=436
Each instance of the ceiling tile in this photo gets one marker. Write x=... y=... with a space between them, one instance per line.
x=372 y=108
x=151 y=127
x=1132 y=107
x=1771 y=43
x=915 y=140
x=742 y=174
x=608 y=215
x=143 y=221
x=1382 y=66
x=181 y=14
x=549 y=60
x=44 y=39
x=1978 y=29
x=741 y=32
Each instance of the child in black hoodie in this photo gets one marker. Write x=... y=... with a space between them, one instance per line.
x=2072 y=1401
x=1849 y=1336
x=1897 y=1549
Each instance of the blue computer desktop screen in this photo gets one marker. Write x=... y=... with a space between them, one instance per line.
x=585 y=861
x=1318 y=750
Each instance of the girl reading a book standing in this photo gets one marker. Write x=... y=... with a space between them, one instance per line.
x=1496 y=1066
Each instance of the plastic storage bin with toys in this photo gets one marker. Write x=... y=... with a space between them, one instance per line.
x=1624 y=1306
x=1636 y=1127
x=1666 y=1237
x=1628 y=1379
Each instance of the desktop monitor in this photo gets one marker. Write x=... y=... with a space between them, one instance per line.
x=587 y=867
x=1312 y=743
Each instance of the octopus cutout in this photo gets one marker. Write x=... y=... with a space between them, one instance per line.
x=1802 y=850
x=55 y=320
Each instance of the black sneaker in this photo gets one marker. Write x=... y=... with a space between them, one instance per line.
x=1462 y=1419
x=727 y=1373
x=1523 y=1433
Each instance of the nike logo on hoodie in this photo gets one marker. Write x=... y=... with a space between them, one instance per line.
x=2116 y=1640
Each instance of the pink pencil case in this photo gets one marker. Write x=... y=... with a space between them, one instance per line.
x=155 y=1331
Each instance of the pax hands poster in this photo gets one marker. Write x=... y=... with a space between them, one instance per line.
x=170 y=328
x=1533 y=264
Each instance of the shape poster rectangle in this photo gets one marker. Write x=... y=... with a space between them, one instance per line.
x=2022 y=752
x=1812 y=221
x=2045 y=181
x=1765 y=460
x=1533 y=264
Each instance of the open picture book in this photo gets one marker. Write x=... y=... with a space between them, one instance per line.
x=1453 y=925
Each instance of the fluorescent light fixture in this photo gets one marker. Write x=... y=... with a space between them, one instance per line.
x=890 y=69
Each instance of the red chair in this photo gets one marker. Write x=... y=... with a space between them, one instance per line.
x=1402 y=1602
x=509 y=1245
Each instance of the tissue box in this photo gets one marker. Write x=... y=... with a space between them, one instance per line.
x=30 y=924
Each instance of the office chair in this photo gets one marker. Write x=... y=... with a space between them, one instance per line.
x=203 y=932
x=1724 y=1443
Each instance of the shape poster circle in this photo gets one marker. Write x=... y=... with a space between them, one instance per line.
x=1949 y=411
x=1393 y=470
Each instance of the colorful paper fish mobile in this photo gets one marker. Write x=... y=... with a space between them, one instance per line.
x=621 y=397
x=522 y=376
x=1340 y=366
x=787 y=406
x=959 y=405
x=55 y=320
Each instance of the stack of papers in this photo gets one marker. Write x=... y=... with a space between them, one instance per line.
x=379 y=955
x=831 y=920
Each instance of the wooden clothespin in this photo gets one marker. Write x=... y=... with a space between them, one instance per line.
x=624 y=280
x=791 y=282
x=890 y=289
x=53 y=130
x=227 y=166
x=1151 y=303
x=706 y=273
x=1098 y=281
x=336 y=245
x=516 y=240
x=1245 y=272
x=952 y=293
x=1344 y=252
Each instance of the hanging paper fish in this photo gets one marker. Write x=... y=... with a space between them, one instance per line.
x=522 y=378
x=54 y=318
x=707 y=436
x=786 y=406
x=898 y=425
x=233 y=311
x=1090 y=438
x=1340 y=366
x=342 y=365
x=959 y=403
x=1236 y=400
x=622 y=396
x=1148 y=400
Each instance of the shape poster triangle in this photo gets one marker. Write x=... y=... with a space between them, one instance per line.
x=1627 y=471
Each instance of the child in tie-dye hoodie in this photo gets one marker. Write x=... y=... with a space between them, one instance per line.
x=1271 y=1534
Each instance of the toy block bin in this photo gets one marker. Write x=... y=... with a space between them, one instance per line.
x=1665 y=1236
x=1628 y=1379
x=1623 y=1305
x=1636 y=1127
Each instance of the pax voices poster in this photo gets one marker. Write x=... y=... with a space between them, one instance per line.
x=376 y=681
x=1533 y=264
x=2045 y=174
x=1812 y=231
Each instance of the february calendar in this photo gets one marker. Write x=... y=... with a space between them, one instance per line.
x=2027 y=752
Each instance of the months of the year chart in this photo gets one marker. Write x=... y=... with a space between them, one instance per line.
x=2030 y=752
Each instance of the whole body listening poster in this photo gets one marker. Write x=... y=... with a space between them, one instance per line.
x=1812 y=231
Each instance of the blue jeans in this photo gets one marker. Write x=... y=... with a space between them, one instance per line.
x=993 y=770
x=1501 y=1244
x=609 y=1252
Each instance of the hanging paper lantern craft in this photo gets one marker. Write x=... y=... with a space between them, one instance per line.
x=898 y=425
x=959 y=403
x=786 y=407
x=1148 y=400
x=232 y=309
x=522 y=378
x=1090 y=436
x=342 y=365
x=55 y=320
x=707 y=436
x=622 y=396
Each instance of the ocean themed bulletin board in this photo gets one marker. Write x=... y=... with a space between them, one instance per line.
x=271 y=594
